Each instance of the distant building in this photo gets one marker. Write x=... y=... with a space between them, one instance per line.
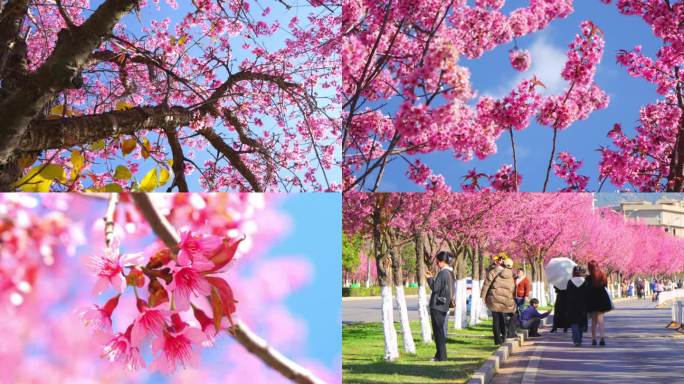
x=665 y=213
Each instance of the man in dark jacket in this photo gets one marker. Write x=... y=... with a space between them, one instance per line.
x=442 y=293
x=531 y=318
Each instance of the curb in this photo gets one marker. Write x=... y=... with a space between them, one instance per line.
x=490 y=367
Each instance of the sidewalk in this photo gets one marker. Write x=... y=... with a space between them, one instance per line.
x=639 y=350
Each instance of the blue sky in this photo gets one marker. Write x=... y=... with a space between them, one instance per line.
x=493 y=75
x=300 y=9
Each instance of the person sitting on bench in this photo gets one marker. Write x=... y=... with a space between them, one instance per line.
x=531 y=318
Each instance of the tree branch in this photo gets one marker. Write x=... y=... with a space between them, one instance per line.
x=232 y=156
x=79 y=130
x=60 y=71
x=248 y=339
x=271 y=357
x=178 y=160
x=161 y=227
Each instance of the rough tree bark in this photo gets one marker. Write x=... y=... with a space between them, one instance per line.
x=423 y=314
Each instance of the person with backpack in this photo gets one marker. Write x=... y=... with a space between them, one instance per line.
x=576 y=302
x=440 y=299
x=499 y=296
x=598 y=302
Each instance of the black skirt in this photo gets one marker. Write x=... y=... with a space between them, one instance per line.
x=598 y=299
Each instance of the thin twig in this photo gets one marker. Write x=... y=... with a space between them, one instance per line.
x=157 y=221
x=270 y=356
x=109 y=218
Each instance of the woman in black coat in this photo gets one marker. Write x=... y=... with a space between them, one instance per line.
x=442 y=293
x=560 y=311
x=598 y=301
x=576 y=304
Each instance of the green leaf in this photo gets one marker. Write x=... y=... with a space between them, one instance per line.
x=122 y=173
x=113 y=187
x=150 y=181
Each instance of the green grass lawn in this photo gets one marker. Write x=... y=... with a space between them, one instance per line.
x=363 y=350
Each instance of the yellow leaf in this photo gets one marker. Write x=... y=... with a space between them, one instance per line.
x=173 y=40
x=39 y=178
x=182 y=40
x=122 y=173
x=96 y=146
x=163 y=176
x=113 y=187
x=77 y=160
x=150 y=181
x=145 y=151
x=58 y=112
x=124 y=105
x=169 y=162
x=127 y=146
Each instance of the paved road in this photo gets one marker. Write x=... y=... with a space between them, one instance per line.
x=639 y=350
x=368 y=310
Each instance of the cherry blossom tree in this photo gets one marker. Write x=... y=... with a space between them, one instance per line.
x=652 y=160
x=407 y=53
x=136 y=95
x=165 y=279
x=531 y=228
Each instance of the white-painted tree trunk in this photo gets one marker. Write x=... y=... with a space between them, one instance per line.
x=475 y=303
x=541 y=295
x=391 y=348
x=552 y=295
x=409 y=346
x=424 y=315
x=459 y=298
x=535 y=292
x=484 y=314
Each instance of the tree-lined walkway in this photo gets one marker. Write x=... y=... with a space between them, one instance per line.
x=639 y=350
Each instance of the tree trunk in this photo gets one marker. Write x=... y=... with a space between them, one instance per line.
x=383 y=263
x=398 y=279
x=475 y=301
x=423 y=313
x=459 y=285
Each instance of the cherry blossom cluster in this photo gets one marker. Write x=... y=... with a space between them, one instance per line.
x=520 y=59
x=649 y=161
x=174 y=292
x=566 y=168
x=409 y=56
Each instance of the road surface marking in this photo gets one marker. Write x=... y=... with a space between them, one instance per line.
x=530 y=374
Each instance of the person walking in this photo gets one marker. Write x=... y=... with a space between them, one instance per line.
x=522 y=289
x=576 y=297
x=598 y=302
x=630 y=289
x=498 y=293
x=442 y=294
x=640 y=288
x=560 y=315
x=659 y=287
x=531 y=318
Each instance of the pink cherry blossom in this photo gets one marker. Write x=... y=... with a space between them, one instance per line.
x=187 y=281
x=109 y=269
x=120 y=350
x=177 y=349
x=100 y=318
x=149 y=321
x=520 y=59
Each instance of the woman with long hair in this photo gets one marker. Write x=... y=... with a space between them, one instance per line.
x=598 y=301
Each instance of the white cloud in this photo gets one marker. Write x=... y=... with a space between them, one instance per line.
x=547 y=64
